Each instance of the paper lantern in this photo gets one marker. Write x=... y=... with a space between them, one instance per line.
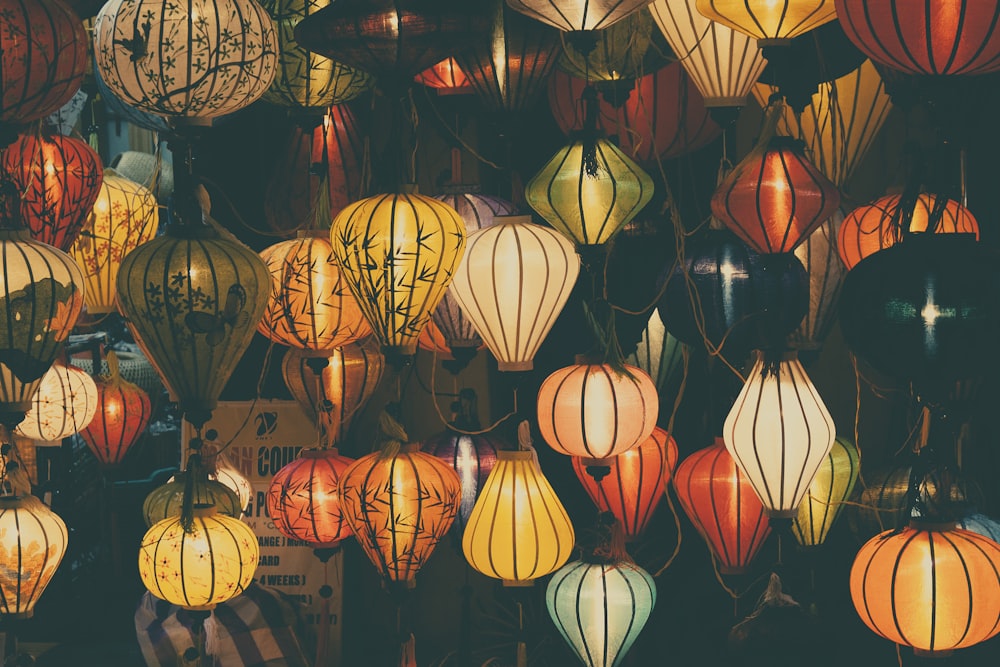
x=769 y=21
x=32 y=543
x=166 y=500
x=124 y=216
x=577 y=15
x=304 y=501
x=65 y=403
x=930 y=586
x=722 y=62
x=832 y=485
x=222 y=471
x=611 y=54
x=659 y=353
x=399 y=506
x=44 y=57
x=120 y=110
x=512 y=284
x=775 y=198
x=596 y=411
x=634 y=487
x=123 y=412
x=446 y=77
x=818 y=255
x=311 y=306
x=398 y=253
x=600 y=608
x=722 y=505
x=195 y=60
x=59 y=179
x=937 y=37
x=472 y=457
x=518 y=530
x=779 y=432
x=589 y=190
x=200 y=566
x=881 y=224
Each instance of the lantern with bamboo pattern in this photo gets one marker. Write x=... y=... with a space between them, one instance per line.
x=65 y=403
x=123 y=412
x=830 y=488
x=303 y=498
x=446 y=77
x=32 y=543
x=167 y=499
x=769 y=21
x=59 y=179
x=124 y=216
x=575 y=15
x=615 y=53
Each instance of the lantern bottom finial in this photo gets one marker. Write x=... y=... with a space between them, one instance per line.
x=515 y=366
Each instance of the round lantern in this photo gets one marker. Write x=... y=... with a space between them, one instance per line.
x=830 y=488
x=65 y=403
x=59 y=179
x=634 y=487
x=399 y=505
x=120 y=110
x=167 y=499
x=769 y=21
x=596 y=411
x=222 y=471
x=775 y=198
x=472 y=457
x=881 y=224
x=518 y=530
x=600 y=608
x=303 y=499
x=192 y=300
x=32 y=543
x=398 y=253
x=939 y=37
x=611 y=54
x=659 y=353
x=43 y=56
x=446 y=77
x=930 y=586
x=779 y=432
x=199 y=60
x=575 y=15
x=123 y=412
x=124 y=216
x=818 y=255
x=196 y=567
x=722 y=505
x=311 y=306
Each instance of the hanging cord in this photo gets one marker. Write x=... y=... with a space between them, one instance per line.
x=456 y=137
x=437 y=406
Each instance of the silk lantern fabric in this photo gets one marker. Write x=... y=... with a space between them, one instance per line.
x=304 y=498
x=769 y=21
x=32 y=545
x=575 y=15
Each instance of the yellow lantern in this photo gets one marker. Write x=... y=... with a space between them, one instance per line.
x=769 y=21
x=167 y=500
x=124 y=216
x=65 y=403
x=32 y=543
x=197 y=567
x=832 y=485
x=399 y=252
x=575 y=15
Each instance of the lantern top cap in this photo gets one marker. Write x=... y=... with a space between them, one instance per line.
x=514 y=455
x=932 y=524
x=14 y=502
x=778 y=355
x=313 y=234
x=205 y=510
x=783 y=142
x=511 y=220
x=319 y=453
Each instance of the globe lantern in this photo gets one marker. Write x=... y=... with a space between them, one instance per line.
x=819 y=257
x=576 y=15
x=446 y=77
x=830 y=488
x=59 y=179
x=722 y=505
x=65 y=403
x=658 y=353
x=120 y=110
x=929 y=586
x=303 y=498
x=768 y=21
x=201 y=565
x=167 y=499
x=32 y=543
x=124 y=216
x=615 y=53
x=123 y=412
x=512 y=284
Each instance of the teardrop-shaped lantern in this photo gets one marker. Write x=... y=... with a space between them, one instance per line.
x=615 y=53
x=123 y=412
x=398 y=252
x=722 y=505
x=769 y=21
x=512 y=284
x=818 y=255
x=575 y=15
x=830 y=488
x=446 y=77
x=65 y=403
x=59 y=179
x=304 y=498
x=167 y=499
x=124 y=216
x=659 y=353
x=32 y=543
x=775 y=198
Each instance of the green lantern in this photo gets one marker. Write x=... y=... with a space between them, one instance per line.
x=832 y=485
x=167 y=499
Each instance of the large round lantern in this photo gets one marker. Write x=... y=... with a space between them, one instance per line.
x=830 y=489
x=512 y=284
x=398 y=252
x=32 y=543
x=123 y=412
x=59 y=179
x=167 y=499
x=201 y=59
x=722 y=505
x=770 y=21
x=930 y=586
x=616 y=53
x=597 y=411
x=634 y=487
x=575 y=15
x=65 y=403
x=198 y=566
x=304 y=501
x=124 y=216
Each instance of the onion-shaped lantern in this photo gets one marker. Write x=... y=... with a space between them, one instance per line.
x=304 y=499
x=596 y=411
x=884 y=222
x=311 y=306
x=201 y=565
x=123 y=412
x=446 y=77
x=179 y=60
x=167 y=499
x=775 y=197
x=32 y=543
x=59 y=179
x=722 y=505
x=930 y=586
x=818 y=255
x=769 y=21
x=398 y=253
x=124 y=216
x=830 y=488
x=634 y=487
x=65 y=403
x=615 y=53
x=659 y=353
x=575 y=15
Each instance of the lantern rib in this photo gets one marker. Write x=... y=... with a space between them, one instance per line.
x=897 y=561
x=975 y=543
x=579 y=616
x=615 y=570
x=968 y=588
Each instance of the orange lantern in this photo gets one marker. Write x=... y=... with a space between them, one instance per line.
x=123 y=412
x=722 y=505
x=770 y=21
x=303 y=499
x=635 y=486
x=446 y=77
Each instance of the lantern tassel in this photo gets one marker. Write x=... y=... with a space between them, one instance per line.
x=213 y=639
x=394 y=435
x=589 y=133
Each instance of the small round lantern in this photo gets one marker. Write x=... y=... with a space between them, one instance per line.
x=32 y=543
x=830 y=488
x=65 y=403
x=123 y=412
x=303 y=499
x=769 y=21
x=167 y=499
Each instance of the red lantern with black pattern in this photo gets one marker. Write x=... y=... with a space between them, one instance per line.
x=123 y=412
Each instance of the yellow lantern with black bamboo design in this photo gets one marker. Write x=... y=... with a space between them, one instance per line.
x=32 y=543
x=830 y=488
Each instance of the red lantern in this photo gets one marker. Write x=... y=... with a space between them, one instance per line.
x=123 y=412
x=446 y=77
x=304 y=501
x=59 y=179
x=634 y=487
x=775 y=198
x=722 y=505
